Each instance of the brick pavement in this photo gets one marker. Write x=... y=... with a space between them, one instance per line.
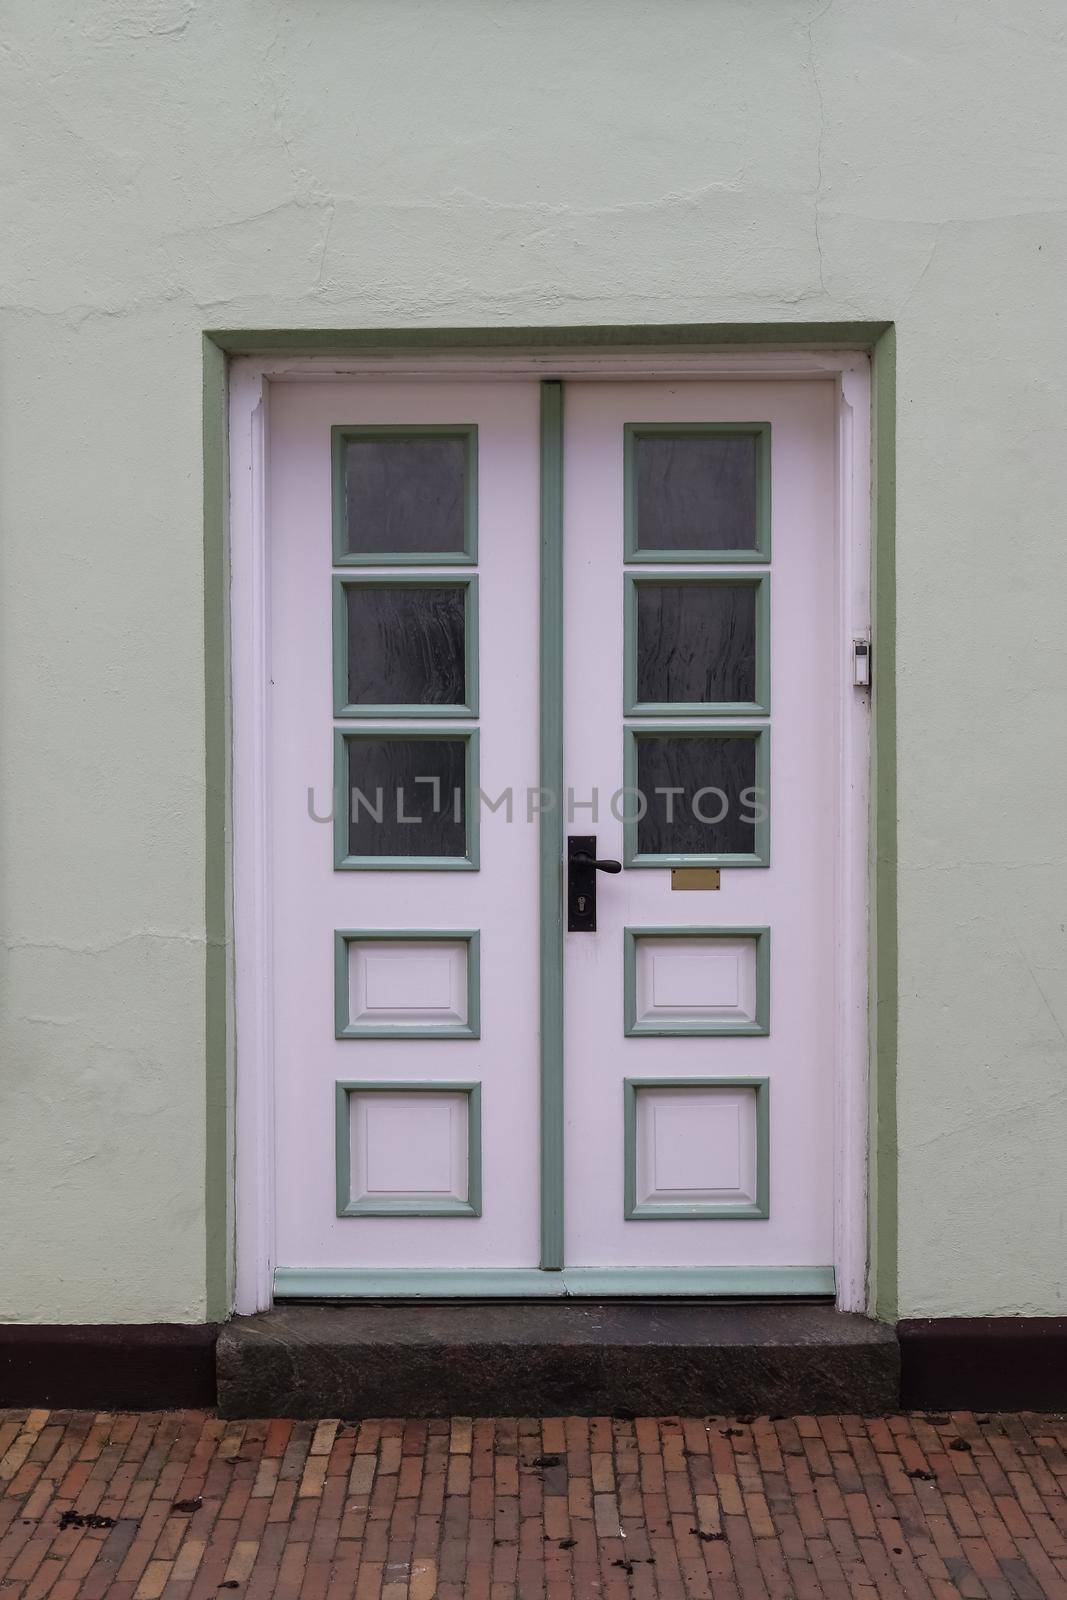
x=181 y=1504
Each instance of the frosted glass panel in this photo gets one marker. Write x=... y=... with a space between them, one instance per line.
x=406 y=645
x=407 y=797
x=699 y=793
x=696 y=642
x=405 y=495
x=696 y=492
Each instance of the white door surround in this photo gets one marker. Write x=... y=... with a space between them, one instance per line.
x=254 y=382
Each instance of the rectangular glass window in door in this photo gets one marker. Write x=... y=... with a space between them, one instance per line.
x=405 y=494
x=405 y=646
x=697 y=645
x=696 y=796
x=697 y=491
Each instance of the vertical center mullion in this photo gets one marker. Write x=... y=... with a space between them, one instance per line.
x=550 y=824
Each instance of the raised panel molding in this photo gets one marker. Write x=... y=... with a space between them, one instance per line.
x=692 y=981
x=408 y=1149
x=406 y=983
x=696 y=1148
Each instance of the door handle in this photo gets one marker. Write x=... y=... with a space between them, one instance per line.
x=582 y=868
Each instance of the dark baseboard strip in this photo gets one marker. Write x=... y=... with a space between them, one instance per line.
x=111 y=1366
x=984 y=1363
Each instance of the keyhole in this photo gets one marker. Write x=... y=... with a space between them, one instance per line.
x=581 y=902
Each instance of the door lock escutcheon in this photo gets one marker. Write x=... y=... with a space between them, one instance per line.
x=582 y=868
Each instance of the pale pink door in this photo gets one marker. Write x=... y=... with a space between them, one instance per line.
x=699 y=710
x=404 y=539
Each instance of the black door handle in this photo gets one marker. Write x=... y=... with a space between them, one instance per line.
x=582 y=868
x=601 y=866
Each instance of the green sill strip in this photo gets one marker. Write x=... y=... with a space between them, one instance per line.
x=519 y=1283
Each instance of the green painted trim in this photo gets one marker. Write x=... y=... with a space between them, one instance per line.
x=339 y=436
x=573 y=1283
x=428 y=1283
x=884 y=980
x=711 y=1283
x=698 y=336
x=343 y=862
x=760 y=1027
x=550 y=828
x=471 y=1207
x=876 y=337
x=760 y=431
x=341 y=705
x=761 y=857
x=218 y=945
x=760 y=707
x=696 y=1210
x=345 y=1029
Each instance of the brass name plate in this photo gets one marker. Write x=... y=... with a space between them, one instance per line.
x=694 y=877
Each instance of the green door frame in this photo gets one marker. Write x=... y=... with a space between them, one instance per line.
x=878 y=339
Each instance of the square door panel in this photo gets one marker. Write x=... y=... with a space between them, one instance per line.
x=408 y=1149
x=406 y=985
x=696 y=1148
x=697 y=980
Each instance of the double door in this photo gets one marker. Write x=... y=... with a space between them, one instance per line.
x=515 y=629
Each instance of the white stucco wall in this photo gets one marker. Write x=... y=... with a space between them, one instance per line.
x=178 y=164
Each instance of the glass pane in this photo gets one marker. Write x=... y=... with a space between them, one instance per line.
x=407 y=797
x=706 y=799
x=405 y=496
x=696 y=642
x=696 y=493
x=405 y=645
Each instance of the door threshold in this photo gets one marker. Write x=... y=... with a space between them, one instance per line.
x=571 y=1283
x=555 y=1357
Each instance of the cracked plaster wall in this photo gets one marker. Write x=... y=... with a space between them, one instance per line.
x=174 y=164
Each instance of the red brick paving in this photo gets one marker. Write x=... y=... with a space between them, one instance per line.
x=817 y=1508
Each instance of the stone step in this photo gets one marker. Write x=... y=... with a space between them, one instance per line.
x=555 y=1358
